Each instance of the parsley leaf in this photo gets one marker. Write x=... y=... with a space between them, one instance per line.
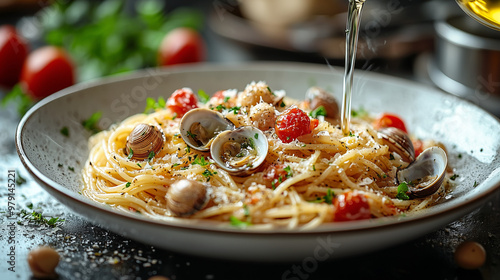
x=455 y=176
x=201 y=161
x=239 y=223
x=90 y=124
x=320 y=111
x=289 y=171
x=65 y=131
x=130 y=153
x=402 y=189
x=204 y=97
x=151 y=155
x=361 y=112
x=152 y=105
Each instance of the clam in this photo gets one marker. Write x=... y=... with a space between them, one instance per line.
x=426 y=174
x=144 y=141
x=241 y=151
x=200 y=126
x=185 y=197
x=318 y=97
x=398 y=142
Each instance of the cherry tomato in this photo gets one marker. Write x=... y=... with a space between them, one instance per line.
x=181 y=101
x=314 y=124
x=181 y=45
x=351 y=206
x=418 y=146
x=45 y=71
x=13 y=53
x=390 y=120
x=275 y=173
x=291 y=124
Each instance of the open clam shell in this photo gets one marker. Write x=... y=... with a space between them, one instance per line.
x=200 y=126
x=241 y=151
x=426 y=174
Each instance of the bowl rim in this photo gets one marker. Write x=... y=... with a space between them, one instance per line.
x=215 y=227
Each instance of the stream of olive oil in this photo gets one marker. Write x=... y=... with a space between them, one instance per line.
x=352 y=32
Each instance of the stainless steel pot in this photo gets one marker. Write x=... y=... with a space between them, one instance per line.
x=467 y=61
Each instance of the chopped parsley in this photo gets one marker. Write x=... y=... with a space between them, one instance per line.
x=174 y=116
x=151 y=155
x=90 y=124
x=314 y=167
x=200 y=161
x=475 y=184
x=188 y=149
x=71 y=168
x=207 y=174
x=226 y=99
x=65 y=131
x=235 y=109
x=402 y=190
x=192 y=135
x=130 y=153
x=152 y=105
x=351 y=134
x=269 y=89
x=361 y=112
x=127 y=185
x=204 y=97
x=18 y=97
x=455 y=176
x=38 y=217
x=256 y=136
x=289 y=171
x=239 y=223
x=282 y=104
x=327 y=198
x=220 y=107
x=320 y=111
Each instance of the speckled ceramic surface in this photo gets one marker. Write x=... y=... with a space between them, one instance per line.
x=471 y=135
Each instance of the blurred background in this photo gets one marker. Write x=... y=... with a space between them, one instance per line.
x=115 y=36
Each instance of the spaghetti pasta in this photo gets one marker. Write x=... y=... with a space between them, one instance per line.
x=317 y=177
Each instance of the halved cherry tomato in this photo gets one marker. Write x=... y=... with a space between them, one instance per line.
x=45 y=71
x=351 y=206
x=291 y=124
x=13 y=53
x=314 y=124
x=389 y=120
x=181 y=101
x=181 y=45
x=418 y=146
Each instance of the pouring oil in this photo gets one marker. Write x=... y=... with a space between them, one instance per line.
x=352 y=32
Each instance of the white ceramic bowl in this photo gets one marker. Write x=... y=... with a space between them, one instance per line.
x=471 y=135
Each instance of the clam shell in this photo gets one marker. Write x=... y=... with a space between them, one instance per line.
x=200 y=126
x=427 y=171
x=319 y=97
x=398 y=142
x=143 y=140
x=186 y=197
x=245 y=135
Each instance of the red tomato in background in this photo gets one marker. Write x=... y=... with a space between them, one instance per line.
x=351 y=206
x=181 y=45
x=293 y=123
x=13 y=53
x=418 y=146
x=390 y=120
x=181 y=101
x=46 y=71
